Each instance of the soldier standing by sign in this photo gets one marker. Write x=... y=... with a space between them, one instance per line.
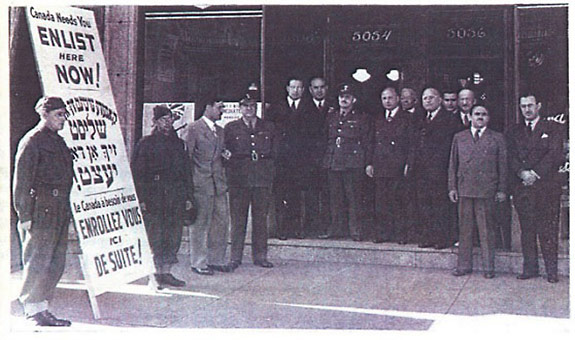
x=42 y=183
x=250 y=149
x=348 y=136
x=161 y=171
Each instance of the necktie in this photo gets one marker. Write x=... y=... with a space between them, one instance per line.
x=466 y=120
x=529 y=127
x=320 y=105
x=429 y=116
x=476 y=136
x=293 y=105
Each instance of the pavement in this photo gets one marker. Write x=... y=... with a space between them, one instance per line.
x=311 y=298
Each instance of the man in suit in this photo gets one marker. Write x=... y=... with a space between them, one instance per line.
x=315 y=212
x=348 y=135
x=208 y=235
x=408 y=99
x=161 y=171
x=43 y=177
x=450 y=101
x=291 y=162
x=535 y=150
x=477 y=179
x=387 y=159
x=465 y=101
x=251 y=150
x=429 y=161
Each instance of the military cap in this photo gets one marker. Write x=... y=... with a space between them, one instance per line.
x=247 y=100
x=49 y=103
x=346 y=89
x=160 y=111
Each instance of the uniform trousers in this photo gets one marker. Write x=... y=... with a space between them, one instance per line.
x=209 y=233
x=390 y=209
x=288 y=201
x=476 y=211
x=345 y=186
x=44 y=247
x=538 y=212
x=240 y=200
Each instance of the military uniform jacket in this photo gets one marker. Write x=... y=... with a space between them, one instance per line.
x=43 y=169
x=429 y=156
x=389 y=147
x=252 y=163
x=348 y=139
x=205 y=150
x=539 y=150
x=161 y=166
x=478 y=169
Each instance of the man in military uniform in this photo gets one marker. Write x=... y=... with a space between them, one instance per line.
x=251 y=148
x=348 y=135
x=42 y=182
x=161 y=171
x=535 y=155
x=387 y=159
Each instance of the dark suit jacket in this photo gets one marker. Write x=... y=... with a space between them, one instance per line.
x=541 y=151
x=390 y=145
x=478 y=169
x=429 y=156
x=205 y=150
x=288 y=124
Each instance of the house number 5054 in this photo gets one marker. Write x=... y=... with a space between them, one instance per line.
x=371 y=36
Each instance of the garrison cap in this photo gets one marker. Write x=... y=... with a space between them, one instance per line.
x=247 y=100
x=49 y=103
x=346 y=89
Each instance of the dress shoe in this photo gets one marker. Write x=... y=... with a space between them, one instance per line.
x=300 y=236
x=282 y=238
x=552 y=278
x=378 y=240
x=527 y=276
x=224 y=268
x=203 y=271
x=425 y=245
x=264 y=264
x=489 y=275
x=169 y=280
x=323 y=236
x=46 y=318
x=461 y=272
x=402 y=242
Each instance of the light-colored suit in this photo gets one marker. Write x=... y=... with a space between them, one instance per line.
x=477 y=171
x=208 y=235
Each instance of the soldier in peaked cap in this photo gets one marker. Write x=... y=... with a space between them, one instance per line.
x=251 y=149
x=348 y=135
x=41 y=189
x=161 y=171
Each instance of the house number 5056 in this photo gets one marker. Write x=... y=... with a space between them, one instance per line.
x=466 y=33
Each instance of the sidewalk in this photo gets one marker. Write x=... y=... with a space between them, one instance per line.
x=319 y=296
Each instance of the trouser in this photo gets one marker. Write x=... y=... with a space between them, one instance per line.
x=315 y=208
x=389 y=209
x=240 y=200
x=503 y=222
x=287 y=197
x=44 y=247
x=345 y=186
x=433 y=212
x=476 y=211
x=538 y=211
x=209 y=233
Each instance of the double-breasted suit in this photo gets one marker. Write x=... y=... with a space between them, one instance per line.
x=537 y=205
x=208 y=235
x=428 y=163
x=477 y=171
x=250 y=171
x=388 y=153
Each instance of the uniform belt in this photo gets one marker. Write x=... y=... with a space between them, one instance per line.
x=49 y=191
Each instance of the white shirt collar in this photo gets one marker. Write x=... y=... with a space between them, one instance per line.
x=211 y=124
x=481 y=131
x=317 y=102
x=291 y=100
x=412 y=110
x=434 y=113
x=392 y=112
x=533 y=122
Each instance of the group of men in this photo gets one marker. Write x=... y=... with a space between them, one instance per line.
x=311 y=158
